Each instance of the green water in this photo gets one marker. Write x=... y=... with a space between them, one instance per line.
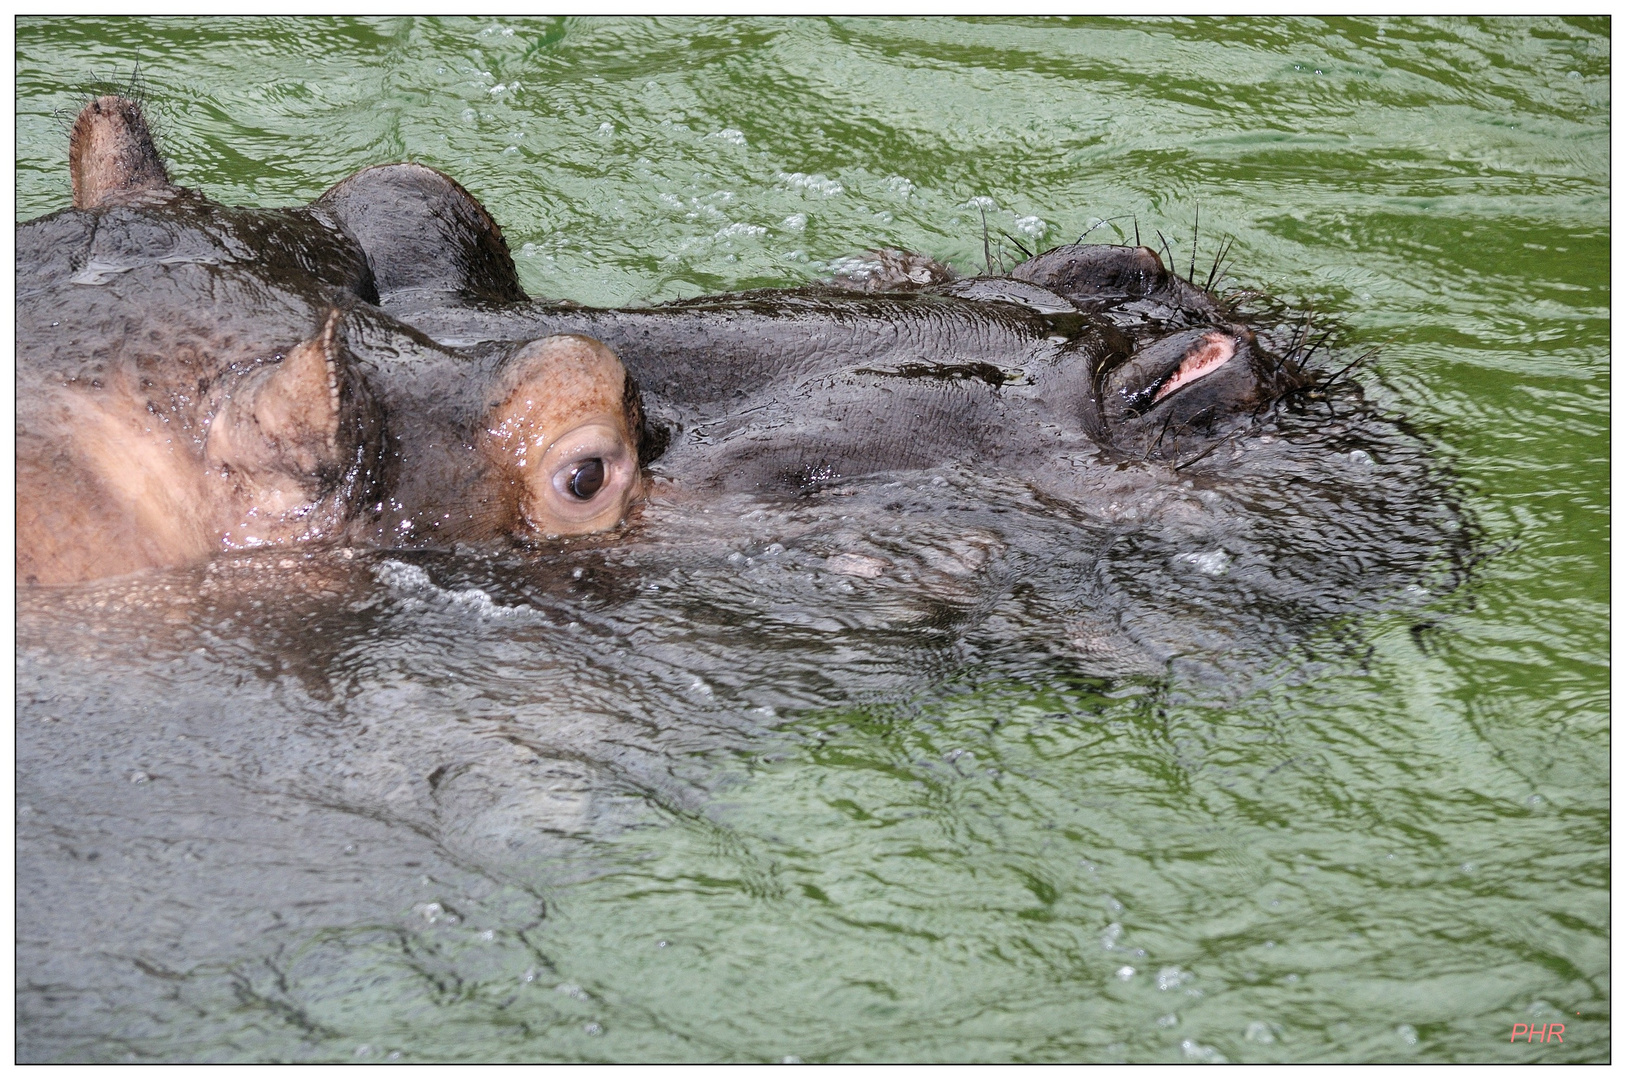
x=1394 y=852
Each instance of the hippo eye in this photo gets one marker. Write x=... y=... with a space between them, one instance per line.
x=586 y=478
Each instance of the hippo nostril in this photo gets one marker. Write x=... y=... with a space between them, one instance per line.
x=1212 y=353
x=586 y=478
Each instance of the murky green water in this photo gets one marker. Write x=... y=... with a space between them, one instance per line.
x=1395 y=847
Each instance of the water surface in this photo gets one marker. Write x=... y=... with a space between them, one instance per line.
x=971 y=778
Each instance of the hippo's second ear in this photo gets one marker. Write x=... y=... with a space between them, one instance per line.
x=424 y=234
x=284 y=418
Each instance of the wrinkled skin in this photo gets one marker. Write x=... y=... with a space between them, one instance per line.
x=1093 y=347
x=193 y=378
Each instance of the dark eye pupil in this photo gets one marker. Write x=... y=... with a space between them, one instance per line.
x=587 y=478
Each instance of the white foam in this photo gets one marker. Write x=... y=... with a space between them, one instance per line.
x=1214 y=563
x=740 y=228
x=413 y=584
x=1171 y=978
x=816 y=182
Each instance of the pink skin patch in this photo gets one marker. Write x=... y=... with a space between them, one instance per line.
x=1214 y=353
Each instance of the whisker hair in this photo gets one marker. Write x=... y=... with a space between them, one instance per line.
x=1166 y=249
x=1017 y=243
x=1196 y=216
x=987 y=256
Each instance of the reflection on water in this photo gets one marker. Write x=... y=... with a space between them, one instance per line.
x=931 y=766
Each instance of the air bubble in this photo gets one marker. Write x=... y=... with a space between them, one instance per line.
x=1170 y=978
x=435 y=913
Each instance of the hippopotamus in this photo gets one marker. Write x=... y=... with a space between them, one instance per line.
x=194 y=378
x=368 y=370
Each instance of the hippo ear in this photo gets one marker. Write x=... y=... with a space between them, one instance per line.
x=424 y=234
x=284 y=418
x=111 y=156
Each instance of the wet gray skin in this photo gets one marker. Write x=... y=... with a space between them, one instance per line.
x=781 y=390
x=194 y=378
x=160 y=421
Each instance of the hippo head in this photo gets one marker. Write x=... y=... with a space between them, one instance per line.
x=561 y=433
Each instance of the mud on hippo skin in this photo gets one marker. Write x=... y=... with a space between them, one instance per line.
x=195 y=378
